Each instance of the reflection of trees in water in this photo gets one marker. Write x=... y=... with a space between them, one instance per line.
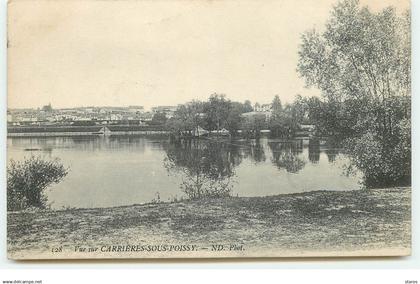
x=286 y=155
x=116 y=143
x=314 y=151
x=207 y=168
x=331 y=154
x=252 y=149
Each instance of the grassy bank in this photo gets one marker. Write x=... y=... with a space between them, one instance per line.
x=306 y=224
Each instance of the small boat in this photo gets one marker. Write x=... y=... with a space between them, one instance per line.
x=200 y=132
x=103 y=131
x=221 y=132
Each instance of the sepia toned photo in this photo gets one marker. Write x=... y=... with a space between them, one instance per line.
x=208 y=129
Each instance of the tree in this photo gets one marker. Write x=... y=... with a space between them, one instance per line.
x=187 y=118
x=247 y=106
x=159 y=118
x=283 y=122
x=217 y=111
x=361 y=63
x=276 y=105
x=28 y=179
x=47 y=108
x=363 y=58
x=253 y=124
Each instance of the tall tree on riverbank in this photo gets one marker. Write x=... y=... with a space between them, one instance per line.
x=362 y=57
x=217 y=111
x=187 y=118
x=361 y=62
x=276 y=106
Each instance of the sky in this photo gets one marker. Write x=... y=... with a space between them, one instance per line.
x=74 y=53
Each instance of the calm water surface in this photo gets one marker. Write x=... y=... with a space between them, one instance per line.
x=114 y=171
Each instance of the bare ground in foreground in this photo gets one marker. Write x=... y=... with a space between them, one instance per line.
x=319 y=223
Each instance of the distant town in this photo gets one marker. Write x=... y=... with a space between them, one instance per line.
x=90 y=115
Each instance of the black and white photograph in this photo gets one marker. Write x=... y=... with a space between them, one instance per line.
x=208 y=129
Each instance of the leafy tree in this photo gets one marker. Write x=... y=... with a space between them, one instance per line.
x=234 y=118
x=283 y=121
x=47 y=108
x=159 y=118
x=187 y=117
x=362 y=57
x=361 y=62
x=247 y=106
x=276 y=105
x=27 y=181
x=217 y=111
x=253 y=124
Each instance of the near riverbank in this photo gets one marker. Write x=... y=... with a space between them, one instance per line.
x=351 y=223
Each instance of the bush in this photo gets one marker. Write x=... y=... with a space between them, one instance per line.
x=206 y=188
x=27 y=180
x=384 y=163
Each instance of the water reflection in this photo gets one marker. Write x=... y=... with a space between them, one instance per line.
x=314 y=151
x=254 y=150
x=332 y=154
x=122 y=170
x=285 y=155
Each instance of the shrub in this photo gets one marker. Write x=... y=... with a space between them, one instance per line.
x=205 y=187
x=27 y=180
x=384 y=163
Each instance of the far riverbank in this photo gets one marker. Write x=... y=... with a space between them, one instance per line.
x=69 y=130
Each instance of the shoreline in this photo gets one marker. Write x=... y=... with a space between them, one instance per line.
x=194 y=200
x=308 y=224
x=95 y=130
x=88 y=134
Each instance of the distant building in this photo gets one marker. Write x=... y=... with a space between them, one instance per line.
x=136 y=109
x=168 y=110
x=254 y=114
x=164 y=109
x=147 y=116
x=115 y=116
x=263 y=108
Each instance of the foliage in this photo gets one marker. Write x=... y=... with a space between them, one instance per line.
x=186 y=118
x=217 y=111
x=276 y=105
x=361 y=62
x=158 y=118
x=285 y=156
x=382 y=164
x=207 y=168
x=47 y=108
x=28 y=179
x=214 y=114
x=283 y=121
x=253 y=124
x=247 y=106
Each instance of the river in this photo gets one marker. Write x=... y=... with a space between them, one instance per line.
x=125 y=170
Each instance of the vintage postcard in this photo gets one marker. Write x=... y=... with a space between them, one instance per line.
x=208 y=129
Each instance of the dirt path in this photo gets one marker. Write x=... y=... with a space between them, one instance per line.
x=315 y=223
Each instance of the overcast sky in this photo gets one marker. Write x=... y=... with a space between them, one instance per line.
x=119 y=53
